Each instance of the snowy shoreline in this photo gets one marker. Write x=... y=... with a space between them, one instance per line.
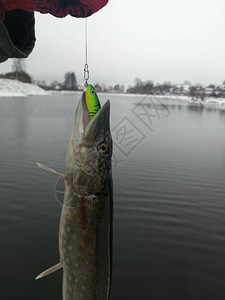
x=207 y=100
x=14 y=88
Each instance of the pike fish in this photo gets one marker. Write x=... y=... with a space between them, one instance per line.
x=85 y=233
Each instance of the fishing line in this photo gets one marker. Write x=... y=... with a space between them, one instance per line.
x=86 y=71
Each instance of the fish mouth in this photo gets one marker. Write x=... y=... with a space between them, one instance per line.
x=92 y=129
x=99 y=124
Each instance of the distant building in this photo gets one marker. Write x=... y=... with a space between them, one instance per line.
x=209 y=90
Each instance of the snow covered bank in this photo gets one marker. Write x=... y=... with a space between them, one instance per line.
x=14 y=88
x=206 y=101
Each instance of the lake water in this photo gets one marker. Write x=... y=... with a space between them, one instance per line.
x=169 y=196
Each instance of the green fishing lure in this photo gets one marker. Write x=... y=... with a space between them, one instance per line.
x=92 y=102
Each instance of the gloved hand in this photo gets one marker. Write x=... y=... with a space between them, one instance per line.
x=17 y=34
x=58 y=8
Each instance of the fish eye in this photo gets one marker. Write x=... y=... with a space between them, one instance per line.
x=92 y=92
x=103 y=148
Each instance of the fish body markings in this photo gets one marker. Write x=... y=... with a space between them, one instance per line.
x=85 y=248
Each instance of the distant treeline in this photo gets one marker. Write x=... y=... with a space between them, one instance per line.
x=186 y=88
x=18 y=72
x=17 y=75
x=69 y=83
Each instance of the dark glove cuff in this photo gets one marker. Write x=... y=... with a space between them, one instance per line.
x=17 y=36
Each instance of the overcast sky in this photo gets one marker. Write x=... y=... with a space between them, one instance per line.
x=157 y=40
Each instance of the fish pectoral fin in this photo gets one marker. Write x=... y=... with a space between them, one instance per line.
x=49 y=271
x=50 y=170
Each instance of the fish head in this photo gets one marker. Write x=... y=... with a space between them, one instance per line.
x=90 y=150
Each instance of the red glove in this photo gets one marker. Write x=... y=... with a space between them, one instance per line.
x=58 y=8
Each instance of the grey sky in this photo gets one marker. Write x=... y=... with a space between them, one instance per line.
x=160 y=40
